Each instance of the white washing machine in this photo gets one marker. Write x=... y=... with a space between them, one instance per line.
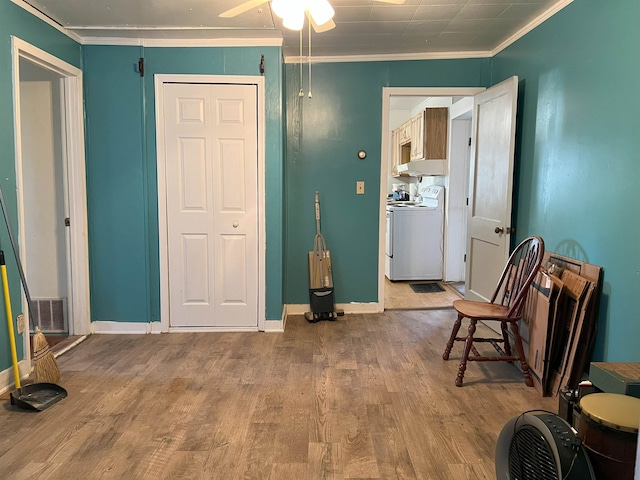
x=414 y=237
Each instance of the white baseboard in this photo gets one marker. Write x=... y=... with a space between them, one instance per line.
x=277 y=326
x=348 y=308
x=274 y=326
x=7 y=381
x=119 y=328
x=140 y=328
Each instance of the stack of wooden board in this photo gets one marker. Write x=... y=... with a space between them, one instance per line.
x=559 y=325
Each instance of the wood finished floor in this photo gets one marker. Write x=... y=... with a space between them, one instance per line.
x=365 y=397
x=400 y=296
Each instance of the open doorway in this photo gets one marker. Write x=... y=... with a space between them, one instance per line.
x=51 y=192
x=454 y=178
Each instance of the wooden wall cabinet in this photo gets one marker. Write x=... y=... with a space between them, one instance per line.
x=423 y=137
x=436 y=123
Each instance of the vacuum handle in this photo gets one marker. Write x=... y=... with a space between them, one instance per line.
x=317 y=205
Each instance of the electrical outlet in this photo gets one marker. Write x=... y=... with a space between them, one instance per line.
x=360 y=188
x=20 y=320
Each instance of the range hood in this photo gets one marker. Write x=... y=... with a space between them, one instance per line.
x=420 y=168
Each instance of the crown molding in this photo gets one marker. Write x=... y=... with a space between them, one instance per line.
x=530 y=26
x=37 y=13
x=254 y=42
x=185 y=42
x=437 y=55
x=387 y=57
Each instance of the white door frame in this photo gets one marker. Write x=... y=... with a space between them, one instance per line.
x=73 y=140
x=160 y=80
x=387 y=92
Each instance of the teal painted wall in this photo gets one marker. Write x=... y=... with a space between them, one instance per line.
x=578 y=126
x=324 y=134
x=579 y=72
x=116 y=185
x=15 y=21
x=122 y=174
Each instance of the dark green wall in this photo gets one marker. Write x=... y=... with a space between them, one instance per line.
x=122 y=173
x=324 y=133
x=579 y=160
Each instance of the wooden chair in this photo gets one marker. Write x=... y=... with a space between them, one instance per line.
x=506 y=306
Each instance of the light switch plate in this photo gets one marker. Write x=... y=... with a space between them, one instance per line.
x=360 y=188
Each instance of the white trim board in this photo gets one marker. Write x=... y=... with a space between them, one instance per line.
x=160 y=80
x=140 y=328
x=387 y=93
x=348 y=308
x=123 y=328
x=71 y=80
x=184 y=42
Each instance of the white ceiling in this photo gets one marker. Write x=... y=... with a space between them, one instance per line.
x=364 y=28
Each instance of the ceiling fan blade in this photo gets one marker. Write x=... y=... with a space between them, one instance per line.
x=243 y=7
x=325 y=27
x=395 y=2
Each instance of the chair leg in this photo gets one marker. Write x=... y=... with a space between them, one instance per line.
x=465 y=355
x=505 y=336
x=452 y=338
x=523 y=360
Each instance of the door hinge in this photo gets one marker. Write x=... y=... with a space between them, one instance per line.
x=465 y=258
x=467 y=201
x=262 y=65
x=469 y=141
x=67 y=222
x=141 y=66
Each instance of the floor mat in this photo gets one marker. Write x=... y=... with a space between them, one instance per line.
x=430 y=287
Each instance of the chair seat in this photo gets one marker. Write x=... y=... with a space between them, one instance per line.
x=481 y=310
x=506 y=306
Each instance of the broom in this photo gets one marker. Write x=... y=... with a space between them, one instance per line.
x=45 y=367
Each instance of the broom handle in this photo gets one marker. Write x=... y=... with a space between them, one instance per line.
x=7 y=306
x=14 y=246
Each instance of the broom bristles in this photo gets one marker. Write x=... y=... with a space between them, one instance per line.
x=45 y=367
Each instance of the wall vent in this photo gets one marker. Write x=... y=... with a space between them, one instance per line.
x=50 y=314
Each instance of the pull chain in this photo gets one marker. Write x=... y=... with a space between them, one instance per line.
x=309 y=58
x=301 y=93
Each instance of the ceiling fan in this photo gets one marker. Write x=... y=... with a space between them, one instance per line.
x=292 y=12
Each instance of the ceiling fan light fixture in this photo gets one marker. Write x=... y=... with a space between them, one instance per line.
x=294 y=19
x=320 y=10
x=281 y=7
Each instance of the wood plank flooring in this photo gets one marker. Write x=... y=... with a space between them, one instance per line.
x=364 y=397
x=400 y=296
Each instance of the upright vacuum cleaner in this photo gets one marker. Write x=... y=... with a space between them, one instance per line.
x=320 y=278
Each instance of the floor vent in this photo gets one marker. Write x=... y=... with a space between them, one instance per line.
x=50 y=314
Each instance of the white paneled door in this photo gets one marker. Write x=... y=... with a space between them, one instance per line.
x=211 y=147
x=491 y=185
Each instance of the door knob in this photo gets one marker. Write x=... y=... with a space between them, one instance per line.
x=499 y=230
x=235 y=224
